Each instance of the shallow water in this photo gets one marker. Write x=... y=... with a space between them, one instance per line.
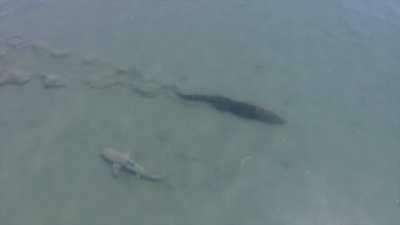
x=329 y=68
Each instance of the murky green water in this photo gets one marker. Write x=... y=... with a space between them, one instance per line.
x=92 y=74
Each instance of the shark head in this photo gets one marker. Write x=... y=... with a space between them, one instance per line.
x=114 y=156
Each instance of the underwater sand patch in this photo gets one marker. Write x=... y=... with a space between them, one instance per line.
x=53 y=81
x=14 y=77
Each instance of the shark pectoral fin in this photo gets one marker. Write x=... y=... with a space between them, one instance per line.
x=116 y=169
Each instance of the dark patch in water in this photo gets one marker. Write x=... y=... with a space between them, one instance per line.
x=238 y=108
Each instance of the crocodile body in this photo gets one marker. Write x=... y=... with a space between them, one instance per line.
x=238 y=108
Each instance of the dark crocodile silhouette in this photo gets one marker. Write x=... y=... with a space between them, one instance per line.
x=238 y=108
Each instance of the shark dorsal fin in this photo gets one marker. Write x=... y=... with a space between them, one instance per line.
x=127 y=155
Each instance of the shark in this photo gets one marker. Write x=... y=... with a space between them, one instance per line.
x=122 y=161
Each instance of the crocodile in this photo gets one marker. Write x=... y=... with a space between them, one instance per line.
x=238 y=108
x=121 y=161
